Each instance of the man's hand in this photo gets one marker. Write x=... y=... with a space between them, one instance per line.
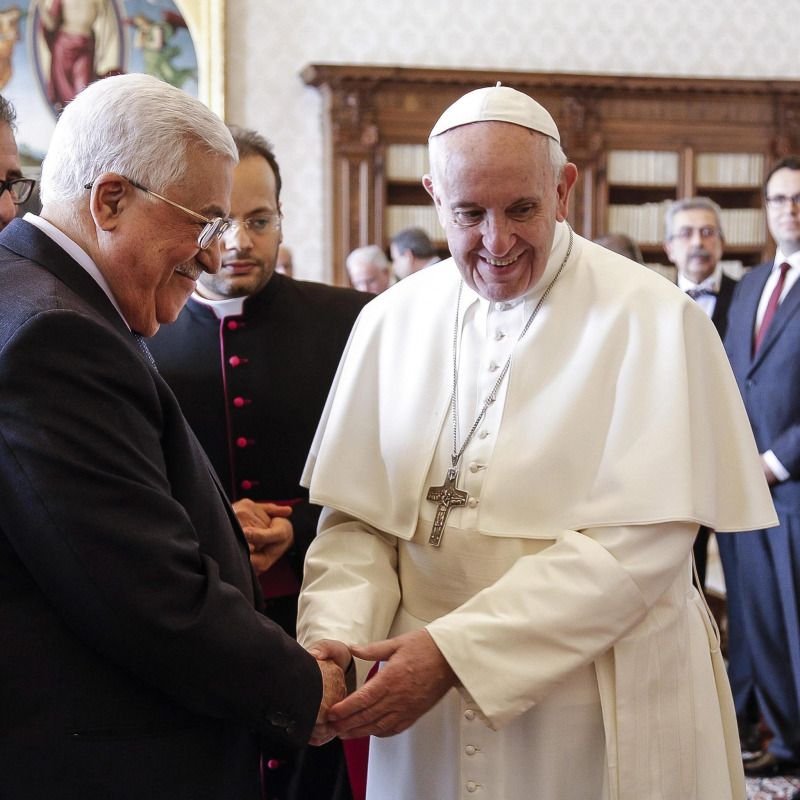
x=330 y=656
x=267 y=529
x=413 y=679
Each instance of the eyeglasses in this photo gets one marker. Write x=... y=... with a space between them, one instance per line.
x=706 y=232
x=780 y=200
x=212 y=228
x=19 y=188
x=255 y=226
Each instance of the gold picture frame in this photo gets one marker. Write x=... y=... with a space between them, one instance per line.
x=207 y=24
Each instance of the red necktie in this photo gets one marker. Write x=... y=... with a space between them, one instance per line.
x=772 y=306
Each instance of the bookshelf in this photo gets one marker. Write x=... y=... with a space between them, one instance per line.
x=642 y=184
x=639 y=142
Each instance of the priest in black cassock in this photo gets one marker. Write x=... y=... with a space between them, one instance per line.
x=251 y=358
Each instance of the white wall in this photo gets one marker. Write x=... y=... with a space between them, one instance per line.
x=270 y=41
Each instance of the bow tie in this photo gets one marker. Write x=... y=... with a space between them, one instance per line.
x=695 y=293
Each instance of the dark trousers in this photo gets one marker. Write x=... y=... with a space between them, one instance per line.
x=768 y=566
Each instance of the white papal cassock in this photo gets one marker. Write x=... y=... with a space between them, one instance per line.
x=561 y=595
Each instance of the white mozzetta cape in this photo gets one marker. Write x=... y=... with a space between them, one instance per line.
x=621 y=420
x=621 y=409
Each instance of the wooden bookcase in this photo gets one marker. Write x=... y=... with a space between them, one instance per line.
x=376 y=121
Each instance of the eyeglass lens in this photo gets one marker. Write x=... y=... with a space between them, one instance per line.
x=780 y=200
x=19 y=188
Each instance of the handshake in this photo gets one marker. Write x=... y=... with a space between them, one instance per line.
x=414 y=677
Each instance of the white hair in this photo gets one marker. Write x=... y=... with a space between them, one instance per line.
x=368 y=254
x=134 y=125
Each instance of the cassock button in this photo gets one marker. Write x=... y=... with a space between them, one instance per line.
x=238 y=401
x=241 y=442
x=472 y=786
x=469 y=714
x=470 y=750
x=234 y=361
x=483 y=434
x=246 y=485
x=273 y=763
x=472 y=502
x=473 y=466
x=499 y=335
x=493 y=367
x=232 y=325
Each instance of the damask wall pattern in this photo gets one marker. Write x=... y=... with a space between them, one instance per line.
x=270 y=41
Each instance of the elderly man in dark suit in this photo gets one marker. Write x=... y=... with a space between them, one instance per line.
x=261 y=350
x=136 y=662
x=763 y=344
x=693 y=242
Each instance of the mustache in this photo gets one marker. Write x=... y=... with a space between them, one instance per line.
x=190 y=270
x=699 y=252
x=237 y=255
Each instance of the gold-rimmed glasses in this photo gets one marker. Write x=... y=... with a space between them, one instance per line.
x=212 y=229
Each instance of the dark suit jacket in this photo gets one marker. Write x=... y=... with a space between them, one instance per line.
x=134 y=662
x=770 y=382
x=253 y=388
x=720 y=316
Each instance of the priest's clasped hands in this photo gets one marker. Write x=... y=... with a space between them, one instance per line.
x=413 y=678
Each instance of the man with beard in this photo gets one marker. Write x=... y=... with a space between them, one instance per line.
x=260 y=351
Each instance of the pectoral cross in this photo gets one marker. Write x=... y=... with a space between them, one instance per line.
x=448 y=497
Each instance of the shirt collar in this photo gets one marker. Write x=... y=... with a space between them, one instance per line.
x=712 y=282
x=77 y=253
x=229 y=307
x=793 y=260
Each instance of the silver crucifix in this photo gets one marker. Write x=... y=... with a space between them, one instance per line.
x=448 y=497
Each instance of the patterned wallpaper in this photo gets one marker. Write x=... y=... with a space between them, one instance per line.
x=270 y=41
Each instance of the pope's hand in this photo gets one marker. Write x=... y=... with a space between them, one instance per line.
x=413 y=679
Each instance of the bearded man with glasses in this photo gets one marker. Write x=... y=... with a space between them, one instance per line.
x=137 y=662
x=251 y=358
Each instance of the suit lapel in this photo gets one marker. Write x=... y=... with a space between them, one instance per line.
x=750 y=302
x=720 y=315
x=29 y=242
x=785 y=311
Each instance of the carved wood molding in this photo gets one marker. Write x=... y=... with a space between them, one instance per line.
x=368 y=108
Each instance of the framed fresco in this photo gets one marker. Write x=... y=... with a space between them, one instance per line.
x=50 y=49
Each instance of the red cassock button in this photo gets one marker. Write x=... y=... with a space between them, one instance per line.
x=273 y=763
x=241 y=442
x=238 y=401
x=232 y=325
x=234 y=361
x=246 y=485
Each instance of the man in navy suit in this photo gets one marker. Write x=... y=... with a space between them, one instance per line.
x=693 y=242
x=136 y=662
x=763 y=344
